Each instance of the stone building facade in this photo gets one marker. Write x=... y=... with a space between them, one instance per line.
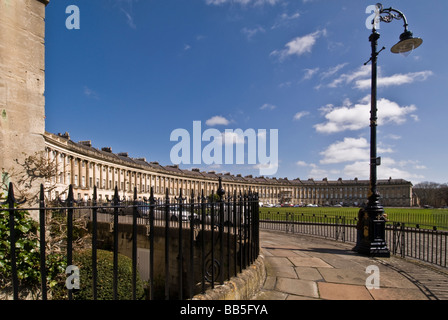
x=83 y=166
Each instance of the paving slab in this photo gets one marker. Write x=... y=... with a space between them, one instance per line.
x=280 y=267
x=398 y=294
x=345 y=276
x=297 y=287
x=339 y=291
x=309 y=262
x=308 y=273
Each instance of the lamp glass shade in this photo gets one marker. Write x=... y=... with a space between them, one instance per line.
x=407 y=44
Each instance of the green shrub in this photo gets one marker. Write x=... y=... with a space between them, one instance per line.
x=83 y=260
x=27 y=250
x=27 y=255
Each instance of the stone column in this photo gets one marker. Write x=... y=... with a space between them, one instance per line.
x=22 y=82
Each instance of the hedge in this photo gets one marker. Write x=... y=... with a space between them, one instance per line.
x=83 y=260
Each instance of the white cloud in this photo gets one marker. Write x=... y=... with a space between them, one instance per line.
x=286 y=84
x=333 y=70
x=128 y=11
x=271 y=167
x=250 y=33
x=90 y=93
x=393 y=137
x=361 y=72
x=354 y=154
x=293 y=16
x=309 y=73
x=395 y=80
x=242 y=2
x=285 y=19
x=129 y=19
x=350 y=149
x=361 y=78
x=356 y=117
x=299 y=45
x=231 y=138
x=389 y=168
x=268 y=106
x=300 y=115
x=217 y=120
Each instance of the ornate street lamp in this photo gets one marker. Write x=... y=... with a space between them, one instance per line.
x=372 y=229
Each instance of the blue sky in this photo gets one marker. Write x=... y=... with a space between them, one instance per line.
x=138 y=69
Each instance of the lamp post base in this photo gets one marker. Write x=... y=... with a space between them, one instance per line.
x=372 y=237
x=376 y=247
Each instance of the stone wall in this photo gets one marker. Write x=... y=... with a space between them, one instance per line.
x=125 y=237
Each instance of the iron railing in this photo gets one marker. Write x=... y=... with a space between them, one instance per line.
x=217 y=238
x=425 y=243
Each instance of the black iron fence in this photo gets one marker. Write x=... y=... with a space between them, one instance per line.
x=191 y=243
x=425 y=243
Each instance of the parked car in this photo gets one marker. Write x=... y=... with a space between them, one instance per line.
x=185 y=215
x=126 y=208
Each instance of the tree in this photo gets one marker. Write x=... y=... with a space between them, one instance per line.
x=443 y=193
x=34 y=170
x=432 y=193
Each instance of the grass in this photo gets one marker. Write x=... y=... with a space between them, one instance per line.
x=410 y=216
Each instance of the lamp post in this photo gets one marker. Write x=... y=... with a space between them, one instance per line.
x=372 y=239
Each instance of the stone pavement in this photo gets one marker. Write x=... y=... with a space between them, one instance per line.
x=309 y=268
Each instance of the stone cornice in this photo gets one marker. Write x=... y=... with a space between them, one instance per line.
x=45 y=2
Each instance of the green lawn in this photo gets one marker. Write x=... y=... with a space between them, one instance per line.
x=409 y=216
